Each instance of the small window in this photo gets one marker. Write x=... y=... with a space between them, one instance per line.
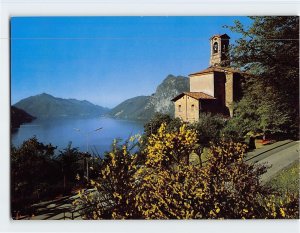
x=179 y=108
x=215 y=47
x=192 y=108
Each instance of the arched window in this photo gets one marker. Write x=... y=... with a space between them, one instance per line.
x=215 y=47
x=179 y=108
x=192 y=108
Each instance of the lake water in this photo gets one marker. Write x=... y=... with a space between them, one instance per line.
x=81 y=132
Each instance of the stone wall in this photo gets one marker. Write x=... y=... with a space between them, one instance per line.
x=229 y=92
x=203 y=83
x=187 y=109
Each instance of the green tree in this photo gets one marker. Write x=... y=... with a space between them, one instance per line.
x=33 y=171
x=69 y=160
x=155 y=122
x=261 y=112
x=269 y=49
x=208 y=128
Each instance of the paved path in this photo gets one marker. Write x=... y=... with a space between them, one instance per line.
x=278 y=156
x=59 y=209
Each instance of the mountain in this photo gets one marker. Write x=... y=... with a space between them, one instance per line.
x=133 y=108
x=46 y=106
x=144 y=107
x=167 y=90
x=18 y=117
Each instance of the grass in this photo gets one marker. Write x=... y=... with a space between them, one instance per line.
x=194 y=158
x=287 y=180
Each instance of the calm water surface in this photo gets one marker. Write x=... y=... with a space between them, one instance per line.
x=59 y=132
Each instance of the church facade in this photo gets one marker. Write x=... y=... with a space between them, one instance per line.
x=214 y=89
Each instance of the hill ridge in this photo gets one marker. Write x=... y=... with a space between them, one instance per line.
x=45 y=105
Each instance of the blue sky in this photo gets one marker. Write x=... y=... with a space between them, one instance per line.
x=106 y=60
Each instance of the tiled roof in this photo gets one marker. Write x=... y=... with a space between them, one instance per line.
x=195 y=95
x=217 y=69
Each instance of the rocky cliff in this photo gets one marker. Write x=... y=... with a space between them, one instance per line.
x=144 y=107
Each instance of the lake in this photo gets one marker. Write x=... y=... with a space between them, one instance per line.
x=81 y=132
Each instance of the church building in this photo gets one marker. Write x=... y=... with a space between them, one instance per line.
x=213 y=89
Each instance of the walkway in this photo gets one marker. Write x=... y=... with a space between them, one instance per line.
x=277 y=156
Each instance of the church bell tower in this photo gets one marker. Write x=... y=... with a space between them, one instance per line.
x=219 y=52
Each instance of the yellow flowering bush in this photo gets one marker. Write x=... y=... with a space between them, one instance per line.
x=224 y=188
x=184 y=191
x=166 y=186
x=112 y=197
x=166 y=148
x=172 y=194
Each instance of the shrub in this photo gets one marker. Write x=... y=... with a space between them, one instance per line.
x=113 y=194
x=164 y=148
x=167 y=186
x=225 y=187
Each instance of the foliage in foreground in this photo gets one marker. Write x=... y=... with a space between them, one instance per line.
x=27 y=161
x=167 y=186
x=38 y=174
x=115 y=193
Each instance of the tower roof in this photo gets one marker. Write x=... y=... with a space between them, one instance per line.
x=223 y=36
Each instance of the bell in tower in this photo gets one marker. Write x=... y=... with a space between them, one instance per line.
x=219 y=55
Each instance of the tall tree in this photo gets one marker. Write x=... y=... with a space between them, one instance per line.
x=33 y=172
x=269 y=49
x=69 y=160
